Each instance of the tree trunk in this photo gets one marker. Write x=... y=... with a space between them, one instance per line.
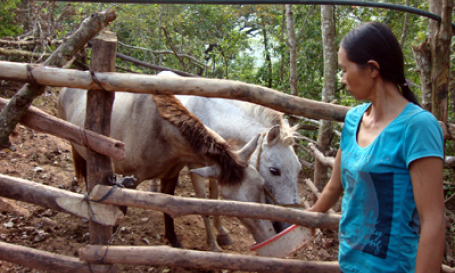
x=422 y=57
x=268 y=58
x=330 y=80
x=283 y=56
x=452 y=82
x=440 y=57
x=26 y=14
x=293 y=76
x=405 y=26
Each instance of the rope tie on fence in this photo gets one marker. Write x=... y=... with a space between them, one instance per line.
x=83 y=137
x=30 y=74
x=95 y=80
x=116 y=182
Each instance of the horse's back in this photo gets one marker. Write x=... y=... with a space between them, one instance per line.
x=70 y=101
x=149 y=139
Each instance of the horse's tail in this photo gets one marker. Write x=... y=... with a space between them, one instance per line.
x=80 y=165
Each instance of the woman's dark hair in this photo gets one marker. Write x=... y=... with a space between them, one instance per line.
x=375 y=41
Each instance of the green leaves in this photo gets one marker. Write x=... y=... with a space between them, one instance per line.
x=11 y=26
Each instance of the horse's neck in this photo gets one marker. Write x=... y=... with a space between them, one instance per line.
x=228 y=119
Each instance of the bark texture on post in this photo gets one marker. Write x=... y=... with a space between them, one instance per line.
x=98 y=119
x=19 y=103
x=328 y=91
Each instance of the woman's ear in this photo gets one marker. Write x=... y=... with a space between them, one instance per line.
x=373 y=68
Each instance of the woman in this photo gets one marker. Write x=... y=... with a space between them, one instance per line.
x=389 y=165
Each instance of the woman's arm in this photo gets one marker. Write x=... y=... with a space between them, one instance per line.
x=426 y=176
x=332 y=191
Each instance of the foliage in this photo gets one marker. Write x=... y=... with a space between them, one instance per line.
x=11 y=26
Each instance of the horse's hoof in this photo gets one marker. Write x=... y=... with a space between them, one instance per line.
x=224 y=239
x=215 y=248
x=176 y=244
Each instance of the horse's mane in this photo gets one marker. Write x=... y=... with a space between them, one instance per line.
x=269 y=118
x=201 y=141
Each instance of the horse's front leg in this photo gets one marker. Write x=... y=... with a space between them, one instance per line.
x=199 y=188
x=223 y=237
x=168 y=187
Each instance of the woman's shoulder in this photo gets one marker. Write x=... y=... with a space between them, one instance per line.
x=415 y=114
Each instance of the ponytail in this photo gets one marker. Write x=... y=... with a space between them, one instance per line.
x=408 y=94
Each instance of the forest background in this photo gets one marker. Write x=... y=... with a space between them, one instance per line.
x=289 y=48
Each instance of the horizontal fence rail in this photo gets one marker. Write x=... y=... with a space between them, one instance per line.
x=151 y=84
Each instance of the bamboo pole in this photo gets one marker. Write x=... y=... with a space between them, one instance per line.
x=39 y=120
x=173 y=257
x=44 y=260
x=59 y=200
x=178 y=206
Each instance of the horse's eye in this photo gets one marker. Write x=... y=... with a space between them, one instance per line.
x=275 y=172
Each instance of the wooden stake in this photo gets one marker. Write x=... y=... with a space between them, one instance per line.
x=98 y=119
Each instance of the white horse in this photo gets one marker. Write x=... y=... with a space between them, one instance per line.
x=161 y=137
x=274 y=156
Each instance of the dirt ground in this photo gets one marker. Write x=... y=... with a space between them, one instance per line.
x=47 y=159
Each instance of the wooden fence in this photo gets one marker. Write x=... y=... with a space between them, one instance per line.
x=106 y=214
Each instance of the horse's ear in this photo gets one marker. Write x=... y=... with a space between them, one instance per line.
x=248 y=149
x=273 y=135
x=207 y=172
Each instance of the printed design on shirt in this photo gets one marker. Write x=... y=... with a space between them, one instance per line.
x=370 y=211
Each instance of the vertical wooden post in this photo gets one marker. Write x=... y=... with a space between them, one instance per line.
x=98 y=119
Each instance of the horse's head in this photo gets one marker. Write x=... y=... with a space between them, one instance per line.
x=250 y=189
x=278 y=164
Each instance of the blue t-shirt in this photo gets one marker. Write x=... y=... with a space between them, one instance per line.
x=379 y=227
